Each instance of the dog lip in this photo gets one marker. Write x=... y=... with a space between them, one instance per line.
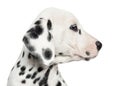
x=85 y=58
x=79 y=56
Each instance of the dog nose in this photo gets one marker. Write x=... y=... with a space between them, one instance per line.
x=99 y=45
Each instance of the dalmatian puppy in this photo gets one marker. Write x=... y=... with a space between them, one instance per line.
x=54 y=37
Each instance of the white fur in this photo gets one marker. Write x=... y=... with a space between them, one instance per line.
x=72 y=44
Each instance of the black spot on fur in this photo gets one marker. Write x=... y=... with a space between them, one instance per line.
x=25 y=40
x=79 y=31
x=29 y=56
x=33 y=35
x=30 y=30
x=23 y=81
x=60 y=53
x=87 y=53
x=23 y=68
x=49 y=25
x=21 y=73
x=23 y=54
x=28 y=76
x=38 y=30
x=60 y=62
x=35 y=32
x=40 y=69
x=41 y=18
x=34 y=75
x=57 y=72
x=63 y=81
x=45 y=78
x=55 y=55
x=18 y=64
x=37 y=22
x=74 y=27
x=49 y=36
x=30 y=68
x=47 y=53
x=31 y=48
x=32 y=56
x=12 y=69
x=87 y=59
x=37 y=79
x=46 y=84
x=58 y=83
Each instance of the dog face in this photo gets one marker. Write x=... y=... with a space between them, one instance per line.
x=66 y=40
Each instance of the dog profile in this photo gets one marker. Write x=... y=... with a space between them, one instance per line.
x=55 y=37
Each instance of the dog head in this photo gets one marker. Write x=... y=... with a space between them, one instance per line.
x=57 y=37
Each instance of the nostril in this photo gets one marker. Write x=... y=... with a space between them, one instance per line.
x=99 y=45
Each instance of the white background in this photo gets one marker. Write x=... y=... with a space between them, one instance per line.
x=100 y=18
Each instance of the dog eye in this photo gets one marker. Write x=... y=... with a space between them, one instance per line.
x=74 y=27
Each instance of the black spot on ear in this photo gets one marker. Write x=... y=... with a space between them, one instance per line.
x=49 y=25
x=58 y=83
x=47 y=53
x=49 y=36
x=38 y=30
x=25 y=40
x=31 y=30
x=33 y=34
x=37 y=22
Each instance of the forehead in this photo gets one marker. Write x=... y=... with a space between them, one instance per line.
x=59 y=16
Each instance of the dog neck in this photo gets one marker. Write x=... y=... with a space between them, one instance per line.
x=40 y=74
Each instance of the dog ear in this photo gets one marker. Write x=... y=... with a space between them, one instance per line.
x=38 y=41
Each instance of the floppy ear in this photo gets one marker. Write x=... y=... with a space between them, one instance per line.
x=38 y=40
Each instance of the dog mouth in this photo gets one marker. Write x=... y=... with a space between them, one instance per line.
x=78 y=57
x=84 y=58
